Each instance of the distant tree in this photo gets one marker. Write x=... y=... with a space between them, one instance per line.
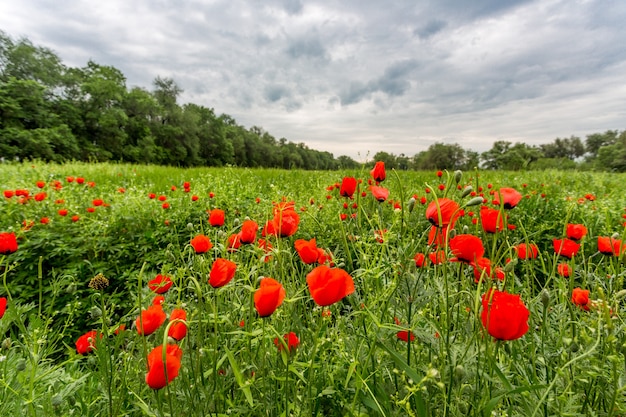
x=505 y=156
x=345 y=162
x=613 y=157
x=441 y=156
x=570 y=148
x=388 y=158
x=595 y=141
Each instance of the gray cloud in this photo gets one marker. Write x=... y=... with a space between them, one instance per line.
x=358 y=76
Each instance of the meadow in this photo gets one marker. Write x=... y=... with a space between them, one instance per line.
x=132 y=290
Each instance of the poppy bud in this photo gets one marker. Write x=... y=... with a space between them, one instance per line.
x=21 y=365
x=411 y=204
x=451 y=233
x=545 y=297
x=474 y=201
x=466 y=191
x=615 y=235
x=6 y=344
x=190 y=226
x=465 y=230
x=510 y=266
x=458 y=174
x=459 y=371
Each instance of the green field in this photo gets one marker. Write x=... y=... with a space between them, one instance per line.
x=406 y=340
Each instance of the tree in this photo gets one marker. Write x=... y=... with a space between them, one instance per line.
x=388 y=158
x=441 y=156
x=595 y=141
x=504 y=156
x=571 y=148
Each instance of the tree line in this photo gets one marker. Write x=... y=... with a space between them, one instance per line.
x=53 y=112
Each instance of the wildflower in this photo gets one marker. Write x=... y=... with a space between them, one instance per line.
x=62 y=212
x=178 y=330
x=91 y=209
x=44 y=220
x=40 y=196
x=165 y=206
x=150 y=320
x=75 y=218
x=437 y=257
x=40 y=184
x=575 y=231
x=248 y=231
x=327 y=286
x=526 y=251
x=151 y=196
x=162 y=198
x=268 y=297
x=158 y=300
x=160 y=284
x=348 y=187
x=439 y=174
x=201 y=244
x=564 y=270
x=22 y=193
x=3 y=306
x=8 y=243
x=80 y=180
x=157 y=369
x=510 y=197
x=307 y=249
x=86 y=343
x=222 y=272
x=69 y=179
x=504 y=315
x=420 y=260
x=379 y=193
x=216 y=218
x=609 y=246
x=565 y=247
x=233 y=242
x=405 y=335
x=378 y=172
x=442 y=212
x=8 y=193
x=193 y=197
x=492 y=220
x=291 y=342
x=284 y=224
x=467 y=248
x=97 y=202
x=580 y=297
x=482 y=268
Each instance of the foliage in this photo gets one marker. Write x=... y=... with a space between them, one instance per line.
x=409 y=341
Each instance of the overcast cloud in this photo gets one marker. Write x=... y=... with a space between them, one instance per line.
x=354 y=77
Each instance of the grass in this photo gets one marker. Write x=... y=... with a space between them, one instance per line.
x=349 y=359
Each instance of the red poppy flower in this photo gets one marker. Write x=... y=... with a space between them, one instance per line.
x=97 y=202
x=248 y=231
x=379 y=193
x=40 y=184
x=22 y=193
x=268 y=297
x=44 y=220
x=378 y=172
x=404 y=335
x=564 y=270
x=510 y=197
x=526 y=251
x=216 y=218
x=291 y=342
x=234 y=242
x=40 y=196
x=437 y=257
x=576 y=231
x=8 y=243
x=75 y=218
x=285 y=223
x=178 y=330
x=91 y=209
x=152 y=196
x=87 y=342
x=609 y=246
x=420 y=260
x=201 y=244
x=307 y=249
x=62 y=212
x=150 y=320
x=467 y=248
x=80 y=180
x=437 y=236
x=492 y=220
x=157 y=370
x=327 y=286
x=565 y=247
x=348 y=187
x=504 y=315
x=158 y=300
x=580 y=297
x=162 y=198
x=222 y=272
x=8 y=193
x=3 y=306
x=442 y=212
x=69 y=179
x=483 y=269
x=160 y=284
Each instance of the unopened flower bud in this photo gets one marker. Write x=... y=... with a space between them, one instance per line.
x=451 y=233
x=466 y=191
x=459 y=372
x=465 y=230
x=56 y=400
x=190 y=226
x=475 y=201
x=615 y=236
x=411 y=204
x=20 y=365
x=458 y=175
x=545 y=297
x=6 y=344
x=510 y=266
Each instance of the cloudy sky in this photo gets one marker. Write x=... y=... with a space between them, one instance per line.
x=354 y=77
